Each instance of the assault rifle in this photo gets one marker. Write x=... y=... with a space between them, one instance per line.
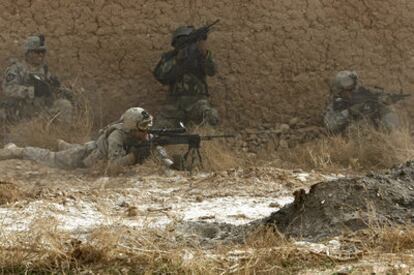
x=41 y=87
x=196 y=35
x=49 y=88
x=178 y=137
x=365 y=95
x=369 y=97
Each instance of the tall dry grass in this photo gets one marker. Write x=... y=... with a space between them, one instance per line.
x=44 y=130
x=361 y=147
x=121 y=250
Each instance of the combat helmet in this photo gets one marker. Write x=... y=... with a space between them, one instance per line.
x=179 y=32
x=136 y=118
x=35 y=43
x=345 y=80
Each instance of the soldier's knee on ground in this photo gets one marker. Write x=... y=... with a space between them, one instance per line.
x=390 y=121
x=336 y=121
x=202 y=111
x=211 y=116
x=64 y=109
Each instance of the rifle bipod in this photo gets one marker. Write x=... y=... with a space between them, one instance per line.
x=195 y=153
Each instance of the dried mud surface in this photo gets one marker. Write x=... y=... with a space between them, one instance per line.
x=274 y=57
x=346 y=205
x=78 y=202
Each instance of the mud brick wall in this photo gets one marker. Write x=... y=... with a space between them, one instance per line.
x=274 y=56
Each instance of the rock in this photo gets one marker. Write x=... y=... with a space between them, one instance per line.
x=293 y=121
x=284 y=128
x=274 y=205
x=251 y=131
x=283 y=144
x=344 y=271
x=266 y=126
x=199 y=199
x=132 y=211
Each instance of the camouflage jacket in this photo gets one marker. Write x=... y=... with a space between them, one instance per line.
x=18 y=80
x=363 y=102
x=185 y=72
x=113 y=145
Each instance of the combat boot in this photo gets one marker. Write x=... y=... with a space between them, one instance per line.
x=11 y=151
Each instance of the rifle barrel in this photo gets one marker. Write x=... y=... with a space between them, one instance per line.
x=166 y=131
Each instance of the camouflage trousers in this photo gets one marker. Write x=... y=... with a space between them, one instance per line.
x=15 y=110
x=75 y=156
x=187 y=109
x=338 y=120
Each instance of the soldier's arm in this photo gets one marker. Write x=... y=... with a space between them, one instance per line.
x=117 y=154
x=168 y=69
x=210 y=66
x=13 y=85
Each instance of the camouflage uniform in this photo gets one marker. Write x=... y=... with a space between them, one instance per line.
x=339 y=114
x=19 y=98
x=186 y=71
x=111 y=145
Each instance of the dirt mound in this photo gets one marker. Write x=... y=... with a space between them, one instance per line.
x=334 y=207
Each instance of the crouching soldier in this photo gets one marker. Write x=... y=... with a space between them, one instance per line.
x=350 y=102
x=112 y=145
x=29 y=88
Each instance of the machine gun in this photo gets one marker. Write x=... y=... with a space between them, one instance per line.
x=196 y=35
x=178 y=137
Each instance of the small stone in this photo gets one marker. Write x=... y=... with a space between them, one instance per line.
x=132 y=211
x=344 y=271
x=274 y=205
x=123 y=204
x=293 y=121
x=199 y=199
x=284 y=128
x=251 y=131
x=283 y=144
x=266 y=125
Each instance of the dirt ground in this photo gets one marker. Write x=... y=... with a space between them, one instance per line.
x=80 y=202
x=43 y=207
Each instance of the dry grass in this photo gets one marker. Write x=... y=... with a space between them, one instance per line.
x=361 y=148
x=123 y=250
x=10 y=192
x=388 y=239
x=149 y=251
x=44 y=130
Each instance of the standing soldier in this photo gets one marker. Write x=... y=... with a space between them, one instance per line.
x=185 y=70
x=29 y=88
x=113 y=145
